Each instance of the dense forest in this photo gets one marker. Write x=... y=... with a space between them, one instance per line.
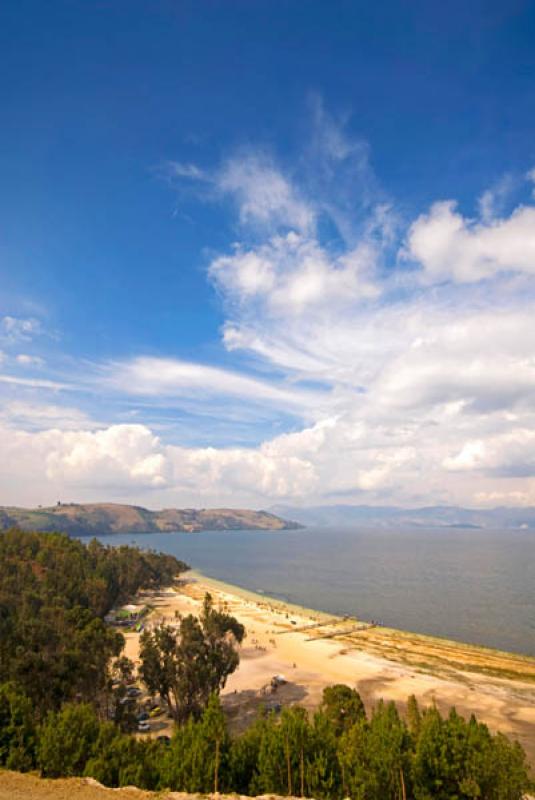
x=65 y=707
x=54 y=595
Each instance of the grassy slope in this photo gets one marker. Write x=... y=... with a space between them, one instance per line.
x=105 y=518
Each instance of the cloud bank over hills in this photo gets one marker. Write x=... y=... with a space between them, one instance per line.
x=366 y=356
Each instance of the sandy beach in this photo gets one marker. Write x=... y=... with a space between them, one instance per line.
x=313 y=650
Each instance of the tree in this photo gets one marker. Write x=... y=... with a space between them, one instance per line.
x=186 y=666
x=454 y=758
x=509 y=769
x=67 y=740
x=215 y=732
x=323 y=776
x=272 y=767
x=285 y=750
x=414 y=717
x=244 y=758
x=121 y=760
x=342 y=706
x=17 y=730
x=374 y=756
x=189 y=762
x=122 y=670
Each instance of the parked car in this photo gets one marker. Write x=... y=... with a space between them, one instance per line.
x=143 y=727
x=163 y=739
x=133 y=691
x=142 y=716
x=156 y=712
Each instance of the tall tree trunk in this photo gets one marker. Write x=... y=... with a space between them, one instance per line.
x=402 y=779
x=216 y=767
x=173 y=706
x=288 y=767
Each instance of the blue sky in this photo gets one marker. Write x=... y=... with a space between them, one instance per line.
x=263 y=252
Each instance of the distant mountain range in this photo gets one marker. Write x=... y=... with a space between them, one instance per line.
x=395 y=517
x=92 y=519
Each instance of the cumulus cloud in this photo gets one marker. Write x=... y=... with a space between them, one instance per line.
x=294 y=273
x=130 y=458
x=120 y=455
x=450 y=247
x=508 y=454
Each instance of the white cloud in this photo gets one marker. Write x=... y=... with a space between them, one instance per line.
x=172 y=378
x=450 y=247
x=36 y=383
x=41 y=416
x=122 y=455
x=115 y=461
x=29 y=361
x=504 y=497
x=126 y=458
x=472 y=455
x=294 y=274
x=510 y=454
x=178 y=169
x=492 y=200
x=17 y=329
x=264 y=195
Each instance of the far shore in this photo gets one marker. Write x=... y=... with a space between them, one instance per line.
x=312 y=649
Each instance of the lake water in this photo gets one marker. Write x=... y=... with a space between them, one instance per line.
x=471 y=585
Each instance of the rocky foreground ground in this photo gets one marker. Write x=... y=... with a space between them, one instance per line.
x=15 y=786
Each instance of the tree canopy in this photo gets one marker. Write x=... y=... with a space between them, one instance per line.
x=187 y=664
x=54 y=594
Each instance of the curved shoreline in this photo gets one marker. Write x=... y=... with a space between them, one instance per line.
x=313 y=649
x=318 y=614
x=260 y=596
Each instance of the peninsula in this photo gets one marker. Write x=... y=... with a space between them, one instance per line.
x=92 y=519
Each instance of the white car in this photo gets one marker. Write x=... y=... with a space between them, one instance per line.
x=143 y=727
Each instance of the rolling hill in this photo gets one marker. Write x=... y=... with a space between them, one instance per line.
x=91 y=519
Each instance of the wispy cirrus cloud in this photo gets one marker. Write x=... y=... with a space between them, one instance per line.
x=27 y=360
x=174 y=379
x=19 y=329
x=36 y=383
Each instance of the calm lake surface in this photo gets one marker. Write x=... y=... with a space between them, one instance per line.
x=471 y=585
